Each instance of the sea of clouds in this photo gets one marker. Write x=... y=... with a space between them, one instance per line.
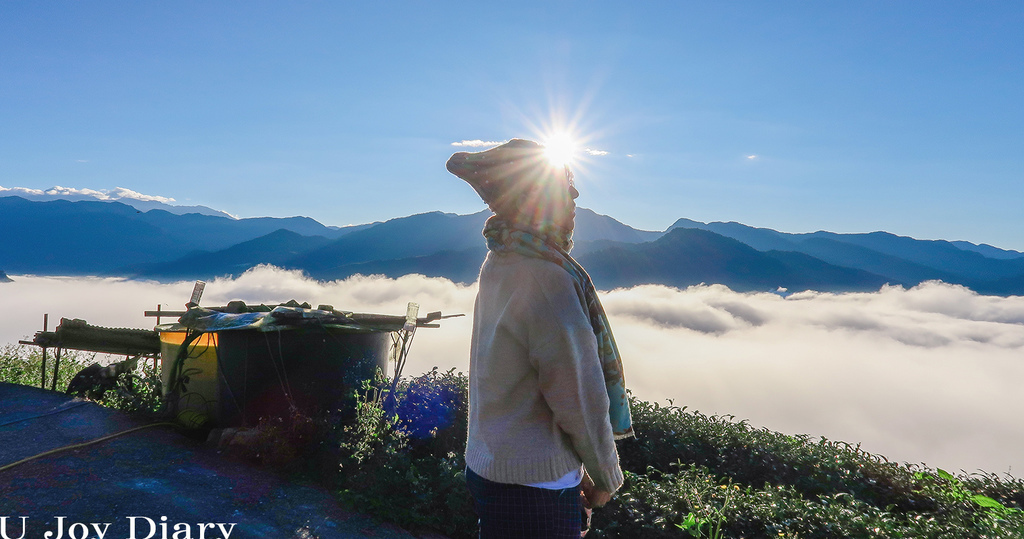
x=929 y=374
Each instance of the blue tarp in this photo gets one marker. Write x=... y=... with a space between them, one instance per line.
x=280 y=318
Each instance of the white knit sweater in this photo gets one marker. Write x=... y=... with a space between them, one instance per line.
x=538 y=405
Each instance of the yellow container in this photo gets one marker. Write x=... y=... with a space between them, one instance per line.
x=201 y=393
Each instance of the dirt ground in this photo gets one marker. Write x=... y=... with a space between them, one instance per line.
x=147 y=484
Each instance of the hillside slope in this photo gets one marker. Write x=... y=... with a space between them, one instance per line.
x=685 y=257
x=109 y=238
x=899 y=259
x=274 y=248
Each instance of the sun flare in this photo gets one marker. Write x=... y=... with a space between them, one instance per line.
x=560 y=149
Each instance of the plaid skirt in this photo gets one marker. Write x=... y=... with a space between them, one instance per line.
x=511 y=511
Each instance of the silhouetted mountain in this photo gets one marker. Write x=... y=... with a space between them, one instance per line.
x=96 y=238
x=937 y=254
x=988 y=250
x=102 y=238
x=762 y=239
x=591 y=226
x=58 y=193
x=401 y=238
x=426 y=234
x=214 y=233
x=1007 y=286
x=274 y=248
x=458 y=266
x=78 y=238
x=898 y=258
x=684 y=257
x=855 y=256
x=4 y=278
x=110 y=238
x=433 y=244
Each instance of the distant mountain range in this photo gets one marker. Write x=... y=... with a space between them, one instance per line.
x=61 y=237
x=121 y=195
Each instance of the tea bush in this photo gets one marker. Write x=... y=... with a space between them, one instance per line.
x=407 y=467
x=687 y=475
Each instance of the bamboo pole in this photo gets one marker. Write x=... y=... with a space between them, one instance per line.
x=56 y=368
x=42 y=383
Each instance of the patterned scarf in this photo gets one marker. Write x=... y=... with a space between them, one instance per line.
x=553 y=246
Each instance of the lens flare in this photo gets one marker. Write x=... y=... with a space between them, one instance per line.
x=560 y=149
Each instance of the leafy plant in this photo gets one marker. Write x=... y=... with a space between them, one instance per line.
x=705 y=520
x=686 y=474
x=20 y=364
x=136 y=392
x=945 y=485
x=416 y=482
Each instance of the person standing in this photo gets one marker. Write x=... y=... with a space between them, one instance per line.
x=547 y=396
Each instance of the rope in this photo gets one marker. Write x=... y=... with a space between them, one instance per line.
x=284 y=368
x=223 y=379
x=281 y=380
x=83 y=444
x=66 y=408
x=184 y=353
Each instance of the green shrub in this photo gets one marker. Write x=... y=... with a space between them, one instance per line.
x=416 y=482
x=433 y=409
x=21 y=364
x=687 y=474
x=137 y=392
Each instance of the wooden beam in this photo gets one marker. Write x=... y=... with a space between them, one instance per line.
x=161 y=314
x=42 y=383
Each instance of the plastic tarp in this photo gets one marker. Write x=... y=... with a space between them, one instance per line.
x=281 y=318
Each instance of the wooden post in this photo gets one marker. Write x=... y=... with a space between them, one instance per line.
x=158 y=308
x=56 y=368
x=42 y=383
x=155 y=359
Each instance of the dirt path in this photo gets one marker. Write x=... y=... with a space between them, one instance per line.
x=149 y=474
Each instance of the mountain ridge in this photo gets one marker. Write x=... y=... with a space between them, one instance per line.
x=685 y=257
x=111 y=238
x=78 y=195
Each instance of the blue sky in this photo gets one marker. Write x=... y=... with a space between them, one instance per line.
x=799 y=116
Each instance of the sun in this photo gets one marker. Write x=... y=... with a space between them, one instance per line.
x=560 y=149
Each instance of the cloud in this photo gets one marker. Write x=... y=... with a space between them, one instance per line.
x=751 y=157
x=121 y=192
x=117 y=302
x=58 y=191
x=922 y=374
x=927 y=374
x=477 y=143
x=597 y=153
x=22 y=190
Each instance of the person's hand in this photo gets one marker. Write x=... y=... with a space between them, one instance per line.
x=588 y=513
x=593 y=496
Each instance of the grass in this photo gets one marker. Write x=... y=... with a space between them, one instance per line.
x=687 y=474
x=137 y=393
x=22 y=365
